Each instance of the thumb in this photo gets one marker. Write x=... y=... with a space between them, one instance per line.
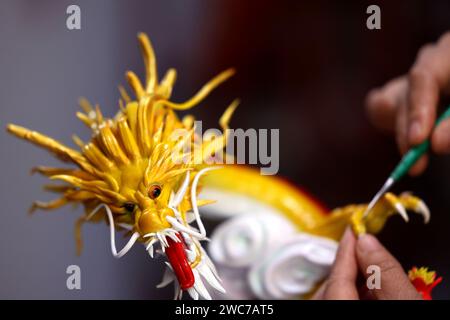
x=394 y=283
x=341 y=282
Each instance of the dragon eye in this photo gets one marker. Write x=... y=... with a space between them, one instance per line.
x=154 y=191
x=129 y=206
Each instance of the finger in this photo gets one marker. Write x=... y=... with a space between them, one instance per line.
x=318 y=295
x=440 y=140
x=420 y=166
x=394 y=281
x=402 y=140
x=441 y=67
x=402 y=126
x=429 y=76
x=341 y=282
x=382 y=104
x=423 y=99
x=365 y=293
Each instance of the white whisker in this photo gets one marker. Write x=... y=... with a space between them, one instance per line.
x=200 y=287
x=193 y=293
x=150 y=251
x=181 y=192
x=194 y=198
x=129 y=244
x=162 y=241
x=212 y=280
x=125 y=226
x=168 y=277
x=173 y=236
x=151 y=243
x=149 y=235
x=177 y=225
x=127 y=247
x=178 y=291
x=191 y=255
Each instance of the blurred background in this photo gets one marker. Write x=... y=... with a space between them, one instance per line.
x=303 y=67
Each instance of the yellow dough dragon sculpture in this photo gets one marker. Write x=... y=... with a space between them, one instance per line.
x=135 y=176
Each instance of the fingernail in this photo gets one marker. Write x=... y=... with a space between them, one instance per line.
x=415 y=132
x=346 y=236
x=367 y=243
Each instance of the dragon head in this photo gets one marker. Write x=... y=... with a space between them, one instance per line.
x=141 y=171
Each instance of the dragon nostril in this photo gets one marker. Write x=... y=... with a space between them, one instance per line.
x=129 y=206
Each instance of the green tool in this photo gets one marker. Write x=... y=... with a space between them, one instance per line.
x=408 y=160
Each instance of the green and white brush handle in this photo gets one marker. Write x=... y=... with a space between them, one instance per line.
x=407 y=161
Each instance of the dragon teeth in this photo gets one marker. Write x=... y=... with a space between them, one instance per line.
x=190 y=255
x=150 y=244
x=206 y=273
x=200 y=287
x=193 y=293
x=168 y=277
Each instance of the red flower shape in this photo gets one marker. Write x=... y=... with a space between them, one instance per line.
x=424 y=281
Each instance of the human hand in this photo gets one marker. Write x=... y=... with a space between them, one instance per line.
x=407 y=105
x=354 y=254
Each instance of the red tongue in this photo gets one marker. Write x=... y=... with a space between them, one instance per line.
x=180 y=265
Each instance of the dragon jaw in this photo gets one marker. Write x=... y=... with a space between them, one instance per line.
x=187 y=261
